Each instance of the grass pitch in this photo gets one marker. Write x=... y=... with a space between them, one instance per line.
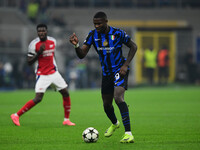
x=162 y=118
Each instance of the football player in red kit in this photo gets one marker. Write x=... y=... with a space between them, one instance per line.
x=42 y=50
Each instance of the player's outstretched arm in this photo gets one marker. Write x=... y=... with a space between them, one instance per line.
x=31 y=60
x=80 y=51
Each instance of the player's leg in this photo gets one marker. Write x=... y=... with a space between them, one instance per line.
x=26 y=107
x=107 y=89
x=61 y=86
x=109 y=110
x=119 y=90
x=119 y=99
x=66 y=106
x=42 y=84
x=30 y=104
x=108 y=107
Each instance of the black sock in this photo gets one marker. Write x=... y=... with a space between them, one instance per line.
x=110 y=113
x=125 y=115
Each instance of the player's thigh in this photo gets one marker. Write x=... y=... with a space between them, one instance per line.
x=107 y=85
x=58 y=81
x=42 y=83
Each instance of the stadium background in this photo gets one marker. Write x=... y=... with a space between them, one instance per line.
x=161 y=117
x=174 y=23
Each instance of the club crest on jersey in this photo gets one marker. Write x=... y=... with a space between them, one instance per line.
x=51 y=46
x=112 y=37
x=105 y=43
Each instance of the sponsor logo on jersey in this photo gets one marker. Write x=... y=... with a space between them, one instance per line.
x=48 y=53
x=107 y=49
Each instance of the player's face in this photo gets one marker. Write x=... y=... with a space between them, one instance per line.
x=42 y=33
x=100 y=24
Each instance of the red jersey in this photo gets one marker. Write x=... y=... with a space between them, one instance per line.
x=162 y=58
x=46 y=63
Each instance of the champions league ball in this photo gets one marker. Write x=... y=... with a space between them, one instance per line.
x=90 y=135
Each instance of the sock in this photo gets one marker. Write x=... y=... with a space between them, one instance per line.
x=125 y=116
x=111 y=114
x=26 y=107
x=65 y=119
x=128 y=132
x=116 y=123
x=67 y=106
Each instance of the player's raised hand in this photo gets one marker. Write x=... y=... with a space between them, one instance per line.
x=73 y=39
x=42 y=48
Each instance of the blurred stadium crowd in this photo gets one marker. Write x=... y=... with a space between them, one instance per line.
x=18 y=19
x=22 y=4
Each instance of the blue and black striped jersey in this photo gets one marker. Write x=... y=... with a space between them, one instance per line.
x=109 y=48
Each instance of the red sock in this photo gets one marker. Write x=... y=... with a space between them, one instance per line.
x=67 y=106
x=26 y=107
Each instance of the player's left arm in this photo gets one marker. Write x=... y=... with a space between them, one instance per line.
x=131 y=54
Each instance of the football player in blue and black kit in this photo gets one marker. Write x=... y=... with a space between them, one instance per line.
x=108 y=42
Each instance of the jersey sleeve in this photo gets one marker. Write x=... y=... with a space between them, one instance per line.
x=31 y=49
x=89 y=39
x=55 y=44
x=125 y=37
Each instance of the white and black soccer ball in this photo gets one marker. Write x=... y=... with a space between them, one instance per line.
x=90 y=135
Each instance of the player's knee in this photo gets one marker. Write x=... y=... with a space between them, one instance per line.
x=64 y=93
x=37 y=100
x=107 y=105
x=118 y=99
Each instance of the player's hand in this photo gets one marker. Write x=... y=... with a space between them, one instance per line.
x=123 y=70
x=42 y=48
x=73 y=39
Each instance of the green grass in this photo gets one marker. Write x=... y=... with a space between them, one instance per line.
x=165 y=118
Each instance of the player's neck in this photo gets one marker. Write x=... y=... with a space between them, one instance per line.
x=43 y=40
x=107 y=30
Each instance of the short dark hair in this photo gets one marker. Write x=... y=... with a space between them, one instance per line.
x=100 y=14
x=41 y=25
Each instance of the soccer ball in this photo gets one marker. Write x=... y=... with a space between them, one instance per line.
x=90 y=135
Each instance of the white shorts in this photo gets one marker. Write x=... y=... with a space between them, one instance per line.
x=44 y=81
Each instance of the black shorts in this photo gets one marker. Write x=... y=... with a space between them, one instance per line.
x=109 y=82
